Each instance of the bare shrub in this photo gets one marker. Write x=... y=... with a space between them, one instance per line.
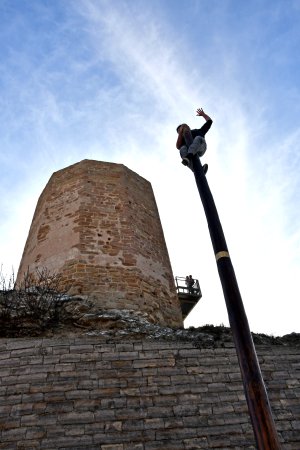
x=36 y=304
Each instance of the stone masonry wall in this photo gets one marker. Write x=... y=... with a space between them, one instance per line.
x=91 y=393
x=97 y=225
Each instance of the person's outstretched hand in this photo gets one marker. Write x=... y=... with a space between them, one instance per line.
x=200 y=112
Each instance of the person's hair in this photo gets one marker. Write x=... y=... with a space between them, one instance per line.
x=178 y=127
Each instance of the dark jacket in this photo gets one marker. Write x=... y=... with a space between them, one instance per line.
x=203 y=130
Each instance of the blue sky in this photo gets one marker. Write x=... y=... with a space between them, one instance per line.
x=111 y=80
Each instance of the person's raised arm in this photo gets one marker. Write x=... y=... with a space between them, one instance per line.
x=200 y=112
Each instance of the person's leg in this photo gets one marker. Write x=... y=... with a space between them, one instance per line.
x=198 y=146
x=193 y=147
x=183 y=151
x=184 y=155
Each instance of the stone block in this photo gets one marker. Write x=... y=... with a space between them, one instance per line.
x=172 y=444
x=114 y=447
x=133 y=446
x=73 y=418
x=195 y=443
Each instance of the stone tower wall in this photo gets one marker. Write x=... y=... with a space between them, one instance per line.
x=91 y=393
x=97 y=225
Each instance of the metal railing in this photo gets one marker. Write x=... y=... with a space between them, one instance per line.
x=183 y=287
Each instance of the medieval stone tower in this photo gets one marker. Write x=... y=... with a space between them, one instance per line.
x=97 y=225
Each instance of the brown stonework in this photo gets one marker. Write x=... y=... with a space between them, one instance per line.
x=74 y=394
x=97 y=224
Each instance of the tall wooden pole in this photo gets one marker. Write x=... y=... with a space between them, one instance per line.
x=254 y=387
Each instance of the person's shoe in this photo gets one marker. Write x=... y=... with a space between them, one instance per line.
x=205 y=168
x=188 y=163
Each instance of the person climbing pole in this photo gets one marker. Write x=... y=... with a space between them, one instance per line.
x=192 y=142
